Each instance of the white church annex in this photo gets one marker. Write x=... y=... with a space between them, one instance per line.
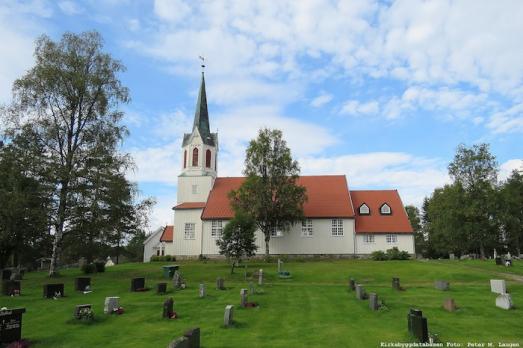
x=338 y=221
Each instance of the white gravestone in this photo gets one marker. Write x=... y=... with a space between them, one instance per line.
x=260 y=277
x=111 y=303
x=498 y=286
x=504 y=301
x=109 y=262
x=227 y=318
x=202 y=290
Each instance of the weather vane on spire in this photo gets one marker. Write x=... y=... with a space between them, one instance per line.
x=203 y=63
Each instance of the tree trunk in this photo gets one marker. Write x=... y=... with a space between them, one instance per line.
x=267 y=239
x=233 y=263
x=59 y=233
x=482 y=251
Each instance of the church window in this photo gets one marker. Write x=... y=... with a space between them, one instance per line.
x=392 y=238
x=195 y=157
x=276 y=233
x=337 y=227
x=306 y=228
x=158 y=252
x=217 y=228
x=208 y=158
x=385 y=209
x=185 y=159
x=364 y=209
x=189 y=230
x=368 y=238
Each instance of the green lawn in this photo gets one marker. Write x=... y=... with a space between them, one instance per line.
x=313 y=309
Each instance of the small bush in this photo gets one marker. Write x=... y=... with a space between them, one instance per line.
x=167 y=257
x=395 y=254
x=100 y=266
x=378 y=255
x=154 y=258
x=88 y=268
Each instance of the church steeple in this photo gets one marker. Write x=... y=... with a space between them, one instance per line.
x=201 y=116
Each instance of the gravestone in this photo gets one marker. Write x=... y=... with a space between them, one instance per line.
x=109 y=262
x=81 y=283
x=193 y=335
x=280 y=264
x=498 y=286
x=452 y=256
x=168 y=308
x=220 y=284
x=137 y=284
x=168 y=271
x=11 y=325
x=373 y=301
x=16 y=275
x=227 y=318
x=161 y=288
x=441 y=285
x=449 y=305
x=201 y=291
x=82 y=262
x=499 y=261
x=243 y=297
x=418 y=326
x=11 y=287
x=80 y=309
x=360 y=292
x=6 y=274
x=504 y=301
x=260 y=277
x=177 y=280
x=180 y=342
x=252 y=289
x=53 y=290
x=396 y=284
x=111 y=304
x=352 y=284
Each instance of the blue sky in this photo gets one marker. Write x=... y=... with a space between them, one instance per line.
x=380 y=91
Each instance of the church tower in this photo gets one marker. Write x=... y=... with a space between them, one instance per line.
x=199 y=155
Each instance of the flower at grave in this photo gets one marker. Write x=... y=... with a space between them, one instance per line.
x=118 y=310
x=86 y=314
x=174 y=315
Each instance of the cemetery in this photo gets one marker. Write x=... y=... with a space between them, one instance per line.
x=327 y=299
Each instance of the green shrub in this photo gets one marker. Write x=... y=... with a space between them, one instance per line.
x=88 y=268
x=378 y=255
x=100 y=266
x=154 y=258
x=396 y=254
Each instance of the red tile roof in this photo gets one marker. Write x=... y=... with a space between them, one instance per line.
x=190 y=205
x=167 y=235
x=328 y=196
x=397 y=222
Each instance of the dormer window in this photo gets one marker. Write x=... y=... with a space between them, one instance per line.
x=364 y=209
x=385 y=209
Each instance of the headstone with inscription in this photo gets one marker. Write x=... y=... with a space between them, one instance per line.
x=111 y=304
x=220 y=284
x=360 y=292
x=418 y=325
x=168 y=308
x=138 y=284
x=161 y=288
x=498 y=286
x=82 y=311
x=193 y=335
x=243 y=297
x=373 y=301
x=81 y=283
x=11 y=325
x=11 y=287
x=228 y=315
x=504 y=301
x=53 y=290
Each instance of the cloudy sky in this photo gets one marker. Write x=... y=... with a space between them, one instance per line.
x=382 y=91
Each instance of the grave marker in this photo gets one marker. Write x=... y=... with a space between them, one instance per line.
x=201 y=291
x=193 y=335
x=53 y=290
x=280 y=264
x=360 y=292
x=260 y=277
x=352 y=284
x=111 y=304
x=168 y=308
x=6 y=274
x=82 y=311
x=161 y=288
x=11 y=287
x=449 y=305
x=373 y=301
x=228 y=316
x=220 y=284
x=504 y=301
x=11 y=325
x=180 y=342
x=138 y=284
x=81 y=283
x=243 y=297
x=177 y=280
x=498 y=286
x=418 y=325
x=442 y=285
x=252 y=289
x=396 y=284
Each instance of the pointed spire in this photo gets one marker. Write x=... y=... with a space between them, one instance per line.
x=201 y=116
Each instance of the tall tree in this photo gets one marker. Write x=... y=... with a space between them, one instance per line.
x=270 y=193
x=238 y=240
x=71 y=98
x=511 y=215
x=415 y=221
x=475 y=169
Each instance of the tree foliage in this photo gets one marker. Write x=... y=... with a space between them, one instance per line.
x=270 y=193
x=238 y=240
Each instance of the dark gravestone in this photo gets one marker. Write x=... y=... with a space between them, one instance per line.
x=52 y=290
x=396 y=284
x=168 y=308
x=373 y=301
x=180 y=342
x=193 y=335
x=6 y=274
x=81 y=283
x=442 y=285
x=352 y=284
x=11 y=325
x=11 y=287
x=80 y=309
x=161 y=288
x=418 y=326
x=168 y=271
x=220 y=284
x=360 y=292
x=137 y=284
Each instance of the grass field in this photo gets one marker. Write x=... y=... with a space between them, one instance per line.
x=313 y=309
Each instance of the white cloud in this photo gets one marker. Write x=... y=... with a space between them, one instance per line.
x=70 y=8
x=355 y=107
x=157 y=164
x=171 y=10
x=507 y=121
x=320 y=100
x=507 y=167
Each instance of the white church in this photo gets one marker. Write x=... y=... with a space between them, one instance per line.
x=339 y=221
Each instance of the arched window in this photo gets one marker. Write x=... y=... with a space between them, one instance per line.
x=364 y=209
x=185 y=159
x=208 y=158
x=195 y=157
x=385 y=209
